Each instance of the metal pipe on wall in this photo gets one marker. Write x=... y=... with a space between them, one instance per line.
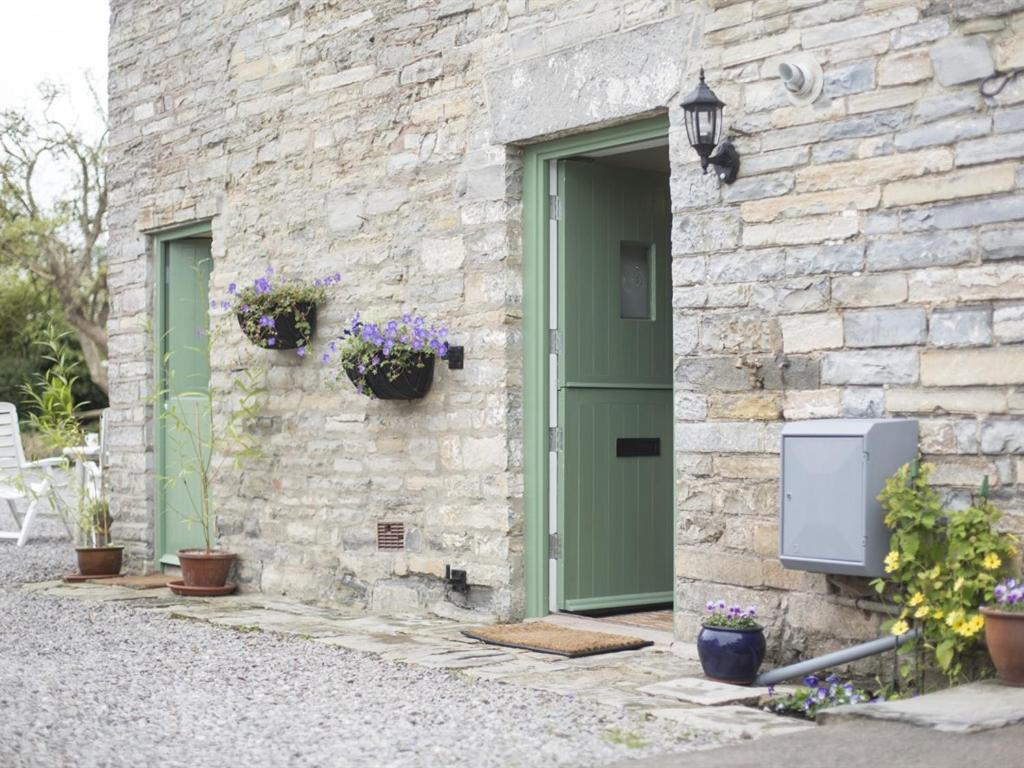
x=836 y=658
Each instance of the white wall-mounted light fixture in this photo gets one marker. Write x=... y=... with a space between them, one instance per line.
x=803 y=79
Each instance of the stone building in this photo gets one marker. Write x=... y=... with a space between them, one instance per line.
x=868 y=261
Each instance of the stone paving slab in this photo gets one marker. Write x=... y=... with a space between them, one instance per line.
x=963 y=709
x=732 y=721
x=697 y=690
x=647 y=680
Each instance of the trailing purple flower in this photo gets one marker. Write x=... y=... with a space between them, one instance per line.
x=388 y=348
x=273 y=313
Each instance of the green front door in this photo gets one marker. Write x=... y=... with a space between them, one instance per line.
x=184 y=379
x=614 y=387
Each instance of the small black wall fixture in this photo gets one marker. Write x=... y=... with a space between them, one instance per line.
x=703 y=113
x=456 y=356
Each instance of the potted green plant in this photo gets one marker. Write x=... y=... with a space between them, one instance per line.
x=281 y=314
x=97 y=556
x=393 y=360
x=731 y=643
x=207 y=448
x=1004 y=631
x=56 y=417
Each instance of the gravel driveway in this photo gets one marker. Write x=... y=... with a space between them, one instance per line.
x=106 y=684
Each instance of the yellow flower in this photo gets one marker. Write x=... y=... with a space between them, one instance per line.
x=934 y=572
x=917 y=598
x=958 y=584
x=977 y=623
x=991 y=561
x=954 y=618
x=921 y=612
x=892 y=561
x=937 y=614
x=900 y=628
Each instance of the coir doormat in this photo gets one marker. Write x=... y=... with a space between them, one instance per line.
x=550 y=638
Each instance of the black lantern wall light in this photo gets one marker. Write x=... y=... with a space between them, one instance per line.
x=703 y=113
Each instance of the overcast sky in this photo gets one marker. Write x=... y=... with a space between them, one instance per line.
x=57 y=40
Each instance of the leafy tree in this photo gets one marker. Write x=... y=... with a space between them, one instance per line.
x=57 y=235
x=27 y=309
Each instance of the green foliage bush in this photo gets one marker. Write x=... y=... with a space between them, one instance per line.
x=26 y=311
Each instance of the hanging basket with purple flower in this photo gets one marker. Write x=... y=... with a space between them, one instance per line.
x=279 y=314
x=392 y=360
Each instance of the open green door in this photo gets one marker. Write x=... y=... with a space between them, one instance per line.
x=614 y=387
x=183 y=380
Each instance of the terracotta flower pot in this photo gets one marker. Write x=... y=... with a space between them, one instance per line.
x=99 y=561
x=1004 y=635
x=200 y=568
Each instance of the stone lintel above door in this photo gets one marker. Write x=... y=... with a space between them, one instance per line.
x=622 y=76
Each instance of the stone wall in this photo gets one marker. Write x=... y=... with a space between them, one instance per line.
x=867 y=261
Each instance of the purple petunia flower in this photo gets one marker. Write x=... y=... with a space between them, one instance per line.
x=811 y=681
x=232 y=288
x=272 y=341
x=721 y=605
x=301 y=351
x=213 y=304
x=751 y=611
x=325 y=358
x=711 y=606
x=337 y=277
x=266 y=321
x=225 y=304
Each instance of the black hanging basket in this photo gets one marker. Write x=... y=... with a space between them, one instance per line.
x=411 y=384
x=285 y=333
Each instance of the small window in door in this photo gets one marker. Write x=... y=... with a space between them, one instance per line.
x=635 y=281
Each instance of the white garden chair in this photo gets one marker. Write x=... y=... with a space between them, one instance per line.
x=20 y=480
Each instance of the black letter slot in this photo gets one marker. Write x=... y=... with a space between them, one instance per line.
x=638 y=446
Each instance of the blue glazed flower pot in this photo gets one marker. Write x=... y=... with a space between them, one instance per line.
x=731 y=655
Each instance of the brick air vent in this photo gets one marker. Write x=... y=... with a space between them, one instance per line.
x=390 y=536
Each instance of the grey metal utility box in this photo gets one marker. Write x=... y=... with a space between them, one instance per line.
x=832 y=472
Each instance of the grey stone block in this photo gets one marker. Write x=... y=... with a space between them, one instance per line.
x=1002 y=436
x=960 y=215
x=867 y=125
x=863 y=402
x=850 y=78
x=961 y=60
x=1001 y=147
x=745 y=266
x=884 y=327
x=934 y=249
x=939 y=107
x=824 y=259
x=923 y=32
x=976 y=9
x=960 y=327
x=1009 y=323
x=1008 y=120
x=875 y=366
x=944 y=132
x=756 y=187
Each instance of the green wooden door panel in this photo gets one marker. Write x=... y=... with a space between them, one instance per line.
x=615 y=381
x=611 y=214
x=617 y=511
x=185 y=377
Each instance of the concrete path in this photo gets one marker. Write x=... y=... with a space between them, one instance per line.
x=861 y=744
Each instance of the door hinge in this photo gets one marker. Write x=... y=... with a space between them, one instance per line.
x=554 y=207
x=555 y=439
x=555 y=342
x=554 y=546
